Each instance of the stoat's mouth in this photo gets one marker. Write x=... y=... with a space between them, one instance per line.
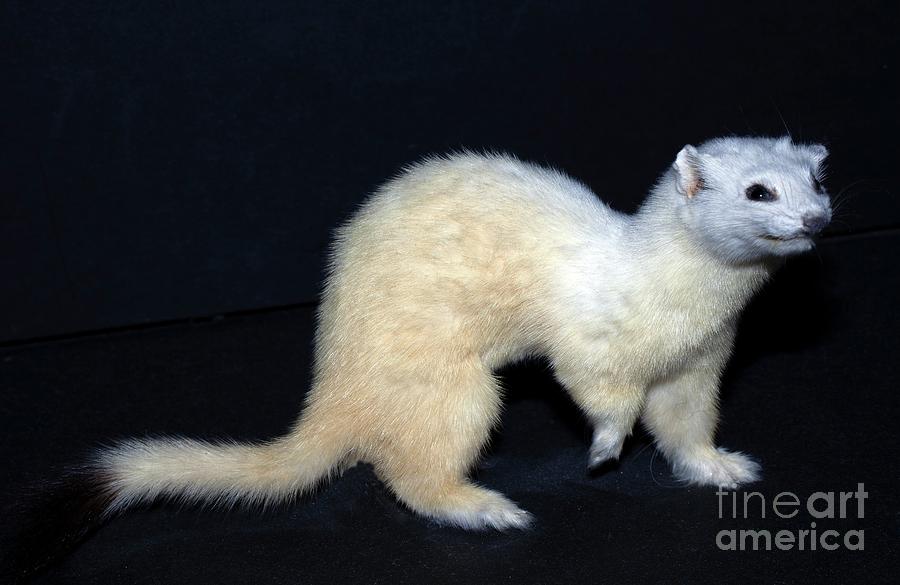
x=774 y=238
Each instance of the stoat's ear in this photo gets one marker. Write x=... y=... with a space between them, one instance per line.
x=818 y=152
x=687 y=166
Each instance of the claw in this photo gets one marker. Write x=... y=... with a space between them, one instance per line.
x=595 y=462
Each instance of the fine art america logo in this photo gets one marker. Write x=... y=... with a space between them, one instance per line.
x=819 y=515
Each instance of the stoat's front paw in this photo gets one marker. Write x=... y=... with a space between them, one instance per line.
x=719 y=468
x=607 y=446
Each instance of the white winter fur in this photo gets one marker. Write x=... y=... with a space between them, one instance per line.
x=464 y=263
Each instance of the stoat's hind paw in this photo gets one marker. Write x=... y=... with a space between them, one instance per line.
x=488 y=510
x=720 y=468
x=504 y=518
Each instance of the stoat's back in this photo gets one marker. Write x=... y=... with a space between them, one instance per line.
x=463 y=247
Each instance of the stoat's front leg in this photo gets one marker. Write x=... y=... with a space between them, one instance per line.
x=682 y=413
x=612 y=406
x=607 y=441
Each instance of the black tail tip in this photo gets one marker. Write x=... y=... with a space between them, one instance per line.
x=49 y=520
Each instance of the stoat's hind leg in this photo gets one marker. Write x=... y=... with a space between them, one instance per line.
x=427 y=452
x=458 y=502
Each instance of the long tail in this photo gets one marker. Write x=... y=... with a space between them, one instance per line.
x=62 y=514
x=138 y=471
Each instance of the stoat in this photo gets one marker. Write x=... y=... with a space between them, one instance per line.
x=466 y=262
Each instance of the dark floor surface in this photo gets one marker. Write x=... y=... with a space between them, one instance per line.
x=811 y=391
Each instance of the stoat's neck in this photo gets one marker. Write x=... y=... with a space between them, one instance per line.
x=680 y=263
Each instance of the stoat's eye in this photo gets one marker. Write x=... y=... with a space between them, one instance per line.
x=759 y=193
x=817 y=185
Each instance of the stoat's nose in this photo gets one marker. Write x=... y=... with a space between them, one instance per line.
x=814 y=223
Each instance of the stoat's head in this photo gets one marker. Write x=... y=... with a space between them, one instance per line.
x=749 y=198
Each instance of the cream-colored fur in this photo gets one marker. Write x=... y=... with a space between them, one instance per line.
x=464 y=263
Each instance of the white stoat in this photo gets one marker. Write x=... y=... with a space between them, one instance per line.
x=467 y=262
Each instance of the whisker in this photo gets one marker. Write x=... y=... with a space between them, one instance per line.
x=746 y=120
x=783 y=121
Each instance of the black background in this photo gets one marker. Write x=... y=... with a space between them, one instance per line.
x=164 y=162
